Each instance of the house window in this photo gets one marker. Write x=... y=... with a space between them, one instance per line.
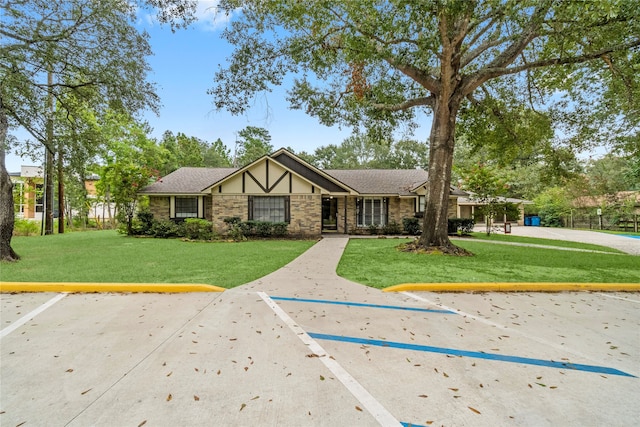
x=372 y=211
x=186 y=207
x=420 y=203
x=269 y=208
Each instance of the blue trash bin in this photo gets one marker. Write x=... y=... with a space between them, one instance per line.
x=535 y=221
x=527 y=220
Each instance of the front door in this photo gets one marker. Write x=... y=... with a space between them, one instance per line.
x=329 y=214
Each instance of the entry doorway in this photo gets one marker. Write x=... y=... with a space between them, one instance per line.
x=329 y=214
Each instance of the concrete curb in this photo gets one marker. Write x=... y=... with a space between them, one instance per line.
x=106 y=287
x=515 y=287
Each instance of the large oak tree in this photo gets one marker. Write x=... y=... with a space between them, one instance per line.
x=372 y=64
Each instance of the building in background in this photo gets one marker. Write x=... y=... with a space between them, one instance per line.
x=28 y=192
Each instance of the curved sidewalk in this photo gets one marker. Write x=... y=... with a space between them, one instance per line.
x=624 y=244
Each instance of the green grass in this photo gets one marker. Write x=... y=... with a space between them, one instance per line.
x=377 y=263
x=105 y=256
x=548 y=242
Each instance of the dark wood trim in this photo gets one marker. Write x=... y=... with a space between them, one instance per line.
x=290 y=183
x=257 y=182
x=278 y=182
x=266 y=166
x=243 y=191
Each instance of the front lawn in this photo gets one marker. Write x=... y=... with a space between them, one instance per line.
x=106 y=256
x=377 y=263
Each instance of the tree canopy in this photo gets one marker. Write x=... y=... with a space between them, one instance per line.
x=372 y=64
x=54 y=49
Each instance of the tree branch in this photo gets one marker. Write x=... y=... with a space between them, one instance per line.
x=416 y=74
x=489 y=73
x=415 y=102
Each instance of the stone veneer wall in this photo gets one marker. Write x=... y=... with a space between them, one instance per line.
x=159 y=207
x=206 y=200
x=453 y=208
x=224 y=206
x=306 y=215
x=305 y=210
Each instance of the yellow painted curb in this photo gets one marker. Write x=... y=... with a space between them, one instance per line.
x=106 y=287
x=515 y=287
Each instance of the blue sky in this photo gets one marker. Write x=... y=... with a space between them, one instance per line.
x=184 y=64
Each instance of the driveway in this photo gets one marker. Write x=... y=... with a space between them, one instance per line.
x=629 y=245
x=304 y=347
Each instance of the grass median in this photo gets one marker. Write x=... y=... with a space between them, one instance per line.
x=377 y=263
x=106 y=256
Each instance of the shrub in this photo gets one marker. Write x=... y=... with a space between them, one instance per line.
x=373 y=229
x=165 y=229
x=460 y=226
x=248 y=228
x=232 y=220
x=263 y=229
x=411 y=225
x=145 y=221
x=25 y=227
x=198 y=229
x=280 y=229
x=552 y=206
x=391 y=227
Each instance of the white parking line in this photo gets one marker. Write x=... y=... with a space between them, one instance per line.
x=620 y=298
x=24 y=319
x=374 y=407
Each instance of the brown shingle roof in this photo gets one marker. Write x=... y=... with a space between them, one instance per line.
x=381 y=181
x=187 y=180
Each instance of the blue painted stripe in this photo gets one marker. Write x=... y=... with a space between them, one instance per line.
x=411 y=425
x=475 y=354
x=630 y=235
x=359 y=304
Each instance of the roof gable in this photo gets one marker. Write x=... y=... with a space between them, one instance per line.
x=310 y=172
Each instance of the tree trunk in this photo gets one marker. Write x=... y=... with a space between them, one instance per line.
x=7 y=214
x=441 y=145
x=48 y=164
x=61 y=210
x=48 y=192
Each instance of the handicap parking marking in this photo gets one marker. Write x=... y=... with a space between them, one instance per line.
x=374 y=407
x=27 y=317
x=474 y=354
x=359 y=304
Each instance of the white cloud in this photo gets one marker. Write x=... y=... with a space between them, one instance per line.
x=210 y=17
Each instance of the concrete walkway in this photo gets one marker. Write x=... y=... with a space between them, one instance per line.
x=625 y=244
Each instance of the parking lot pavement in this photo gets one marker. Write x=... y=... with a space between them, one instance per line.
x=305 y=347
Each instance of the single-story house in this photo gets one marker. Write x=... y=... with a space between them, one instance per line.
x=282 y=187
x=467 y=206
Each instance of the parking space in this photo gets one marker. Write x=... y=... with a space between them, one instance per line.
x=305 y=347
x=503 y=359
